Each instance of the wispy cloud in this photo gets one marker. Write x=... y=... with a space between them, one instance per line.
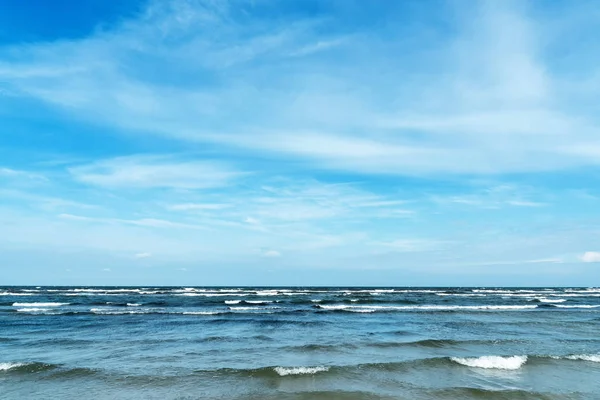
x=155 y=172
x=497 y=88
x=140 y=256
x=590 y=256
x=9 y=173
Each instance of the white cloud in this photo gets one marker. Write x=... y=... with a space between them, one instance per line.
x=412 y=245
x=197 y=207
x=591 y=257
x=142 y=255
x=15 y=174
x=143 y=222
x=271 y=254
x=488 y=101
x=155 y=172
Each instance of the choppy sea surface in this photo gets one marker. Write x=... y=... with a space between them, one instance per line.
x=299 y=343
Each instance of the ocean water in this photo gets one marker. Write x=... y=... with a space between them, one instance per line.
x=299 y=343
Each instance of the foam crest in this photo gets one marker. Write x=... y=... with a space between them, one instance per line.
x=8 y=366
x=284 y=371
x=578 y=306
x=585 y=357
x=424 y=308
x=546 y=300
x=33 y=310
x=15 y=294
x=202 y=312
x=233 y=301
x=258 y=309
x=39 y=304
x=492 y=362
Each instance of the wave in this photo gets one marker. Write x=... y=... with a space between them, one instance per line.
x=432 y=343
x=16 y=294
x=584 y=357
x=34 y=310
x=7 y=366
x=490 y=394
x=578 y=306
x=285 y=371
x=492 y=362
x=202 y=312
x=26 y=367
x=234 y=302
x=253 y=309
x=367 y=309
x=546 y=300
x=40 y=304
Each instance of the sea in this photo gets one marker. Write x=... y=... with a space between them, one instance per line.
x=299 y=343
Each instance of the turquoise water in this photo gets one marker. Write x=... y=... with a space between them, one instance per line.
x=299 y=343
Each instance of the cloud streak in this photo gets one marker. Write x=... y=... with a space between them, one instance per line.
x=155 y=172
x=244 y=89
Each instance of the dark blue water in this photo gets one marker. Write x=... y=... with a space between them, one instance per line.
x=299 y=343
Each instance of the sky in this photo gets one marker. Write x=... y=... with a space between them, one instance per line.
x=300 y=142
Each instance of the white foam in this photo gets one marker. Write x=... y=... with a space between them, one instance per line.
x=284 y=371
x=462 y=294
x=578 y=306
x=7 y=366
x=545 y=300
x=258 y=301
x=201 y=312
x=133 y=304
x=252 y=308
x=194 y=294
x=114 y=312
x=492 y=362
x=585 y=357
x=39 y=304
x=33 y=310
x=424 y=308
x=16 y=294
x=233 y=301
x=267 y=292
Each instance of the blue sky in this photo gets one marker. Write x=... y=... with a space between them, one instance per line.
x=299 y=142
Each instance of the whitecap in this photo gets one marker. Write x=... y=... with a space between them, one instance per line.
x=7 y=366
x=426 y=308
x=585 y=357
x=39 y=304
x=33 y=310
x=578 y=306
x=546 y=300
x=492 y=362
x=201 y=312
x=284 y=371
x=267 y=292
x=232 y=301
x=15 y=294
